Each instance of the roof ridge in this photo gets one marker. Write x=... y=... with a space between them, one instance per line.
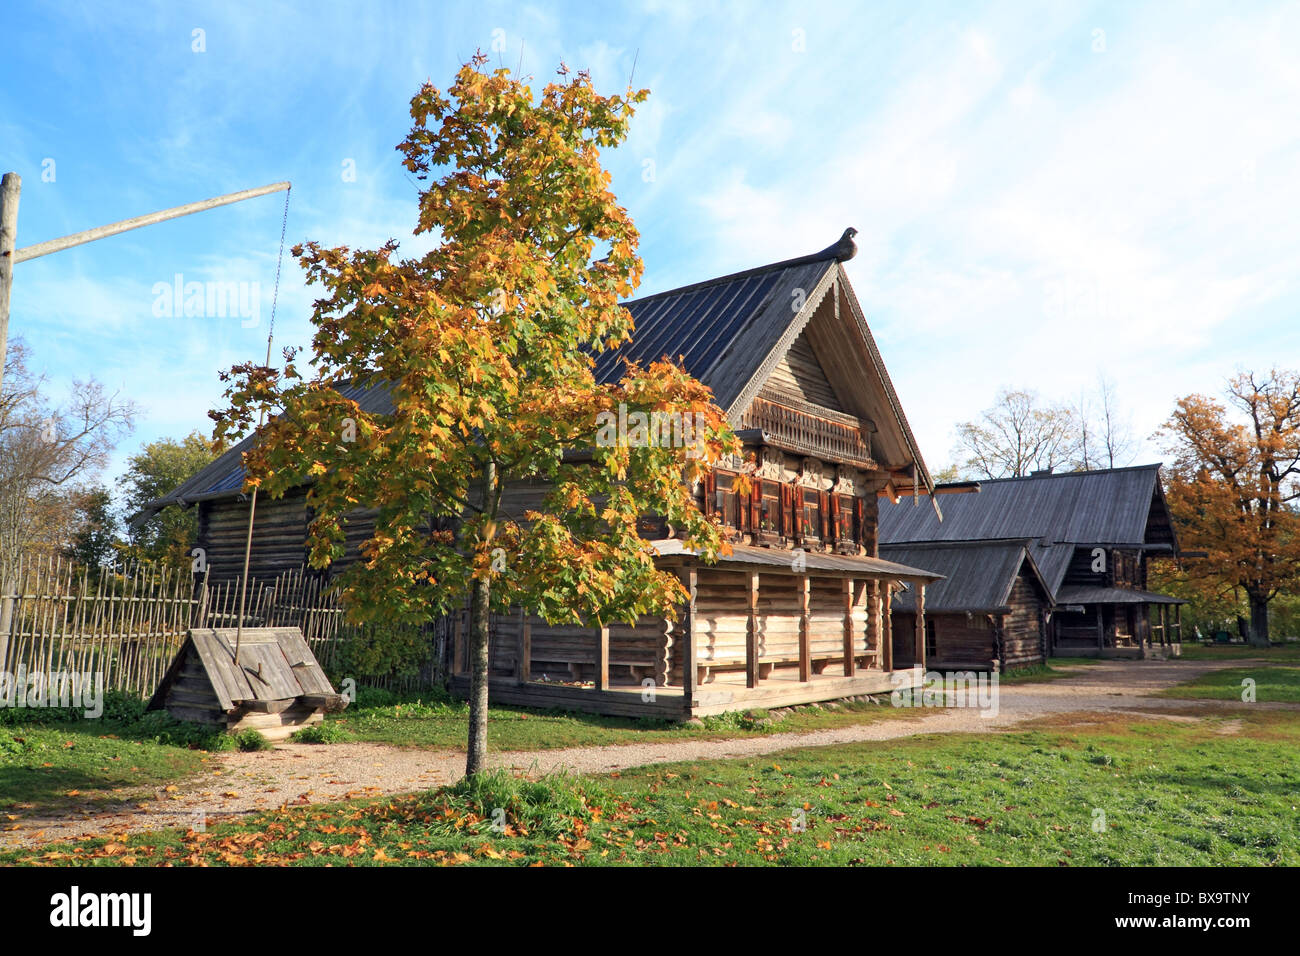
x=1072 y=474
x=1024 y=542
x=840 y=251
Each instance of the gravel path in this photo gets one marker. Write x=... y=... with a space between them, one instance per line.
x=296 y=774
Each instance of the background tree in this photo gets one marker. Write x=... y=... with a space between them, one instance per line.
x=487 y=345
x=96 y=541
x=1106 y=437
x=48 y=452
x=1018 y=435
x=157 y=469
x=1233 y=487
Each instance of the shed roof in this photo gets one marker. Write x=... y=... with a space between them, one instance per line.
x=1113 y=506
x=1087 y=594
x=977 y=575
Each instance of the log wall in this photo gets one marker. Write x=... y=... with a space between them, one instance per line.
x=1022 y=629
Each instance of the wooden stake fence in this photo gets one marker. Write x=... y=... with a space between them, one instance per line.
x=128 y=623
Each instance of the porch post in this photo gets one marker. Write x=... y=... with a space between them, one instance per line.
x=873 y=619
x=602 y=658
x=887 y=629
x=805 y=629
x=920 y=624
x=1101 y=632
x=849 y=662
x=751 y=634
x=686 y=642
x=524 y=657
x=458 y=644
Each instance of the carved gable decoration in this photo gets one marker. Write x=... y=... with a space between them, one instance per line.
x=810 y=473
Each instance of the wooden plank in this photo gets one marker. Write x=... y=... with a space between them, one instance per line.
x=805 y=631
x=751 y=633
x=602 y=658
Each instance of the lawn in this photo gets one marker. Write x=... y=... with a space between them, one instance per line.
x=438 y=721
x=1272 y=683
x=1108 y=791
x=1193 y=651
x=83 y=765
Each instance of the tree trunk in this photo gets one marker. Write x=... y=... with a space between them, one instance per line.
x=476 y=755
x=1258 y=620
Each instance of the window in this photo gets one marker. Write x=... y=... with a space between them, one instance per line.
x=931 y=642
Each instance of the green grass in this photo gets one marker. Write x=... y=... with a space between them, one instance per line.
x=55 y=760
x=1041 y=673
x=59 y=767
x=1217 y=791
x=1229 y=652
x=1272 y=683
x=439 y=722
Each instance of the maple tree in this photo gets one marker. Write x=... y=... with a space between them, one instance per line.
x=486 y=347
x=1233 y=488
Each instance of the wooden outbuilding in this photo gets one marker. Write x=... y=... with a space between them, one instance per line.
x=1091 y=535
x=989 y=612
x=800 y=611
x=276 y=687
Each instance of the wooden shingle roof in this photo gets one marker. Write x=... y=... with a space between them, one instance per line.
x=728 y=332
x=977 y=575
x=1121 y=507
x=275 y=663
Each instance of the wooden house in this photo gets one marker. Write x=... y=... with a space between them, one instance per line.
x=1090 y=534
x=800 y=611
x=275 y=686
x=989 y=612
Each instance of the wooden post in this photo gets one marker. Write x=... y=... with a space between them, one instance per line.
x=1101 y=632
x=805 y=629
x=751 y=634
x=850 y=664
x=873 y=619
x=11 y=187
x=887 y=629
x=524 y=657
x=458 y=644
x=919 y=656
x=686 y=642
x=6 y=621
x=602 y=658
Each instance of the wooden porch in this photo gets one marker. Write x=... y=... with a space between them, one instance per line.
x=763 y=628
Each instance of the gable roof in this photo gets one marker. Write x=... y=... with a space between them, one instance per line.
x=977 y=575
x=1121 y=507
x=729 y=332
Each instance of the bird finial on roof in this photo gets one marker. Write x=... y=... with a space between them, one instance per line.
x=844 y=250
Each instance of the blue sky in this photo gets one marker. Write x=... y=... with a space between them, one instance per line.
x=1044 y=192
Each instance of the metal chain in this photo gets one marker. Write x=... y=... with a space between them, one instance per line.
x=275 y=294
